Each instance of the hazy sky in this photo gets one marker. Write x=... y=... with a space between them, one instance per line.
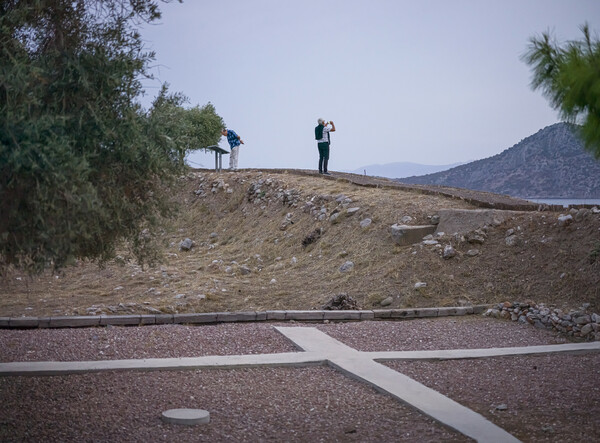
x=424 y=81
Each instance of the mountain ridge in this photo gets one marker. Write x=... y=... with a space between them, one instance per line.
x=402 y=169
x=552 y=163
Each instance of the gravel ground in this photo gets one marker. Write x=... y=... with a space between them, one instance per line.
x=547 y=398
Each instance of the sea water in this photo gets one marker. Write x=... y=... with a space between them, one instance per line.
x=566 y=201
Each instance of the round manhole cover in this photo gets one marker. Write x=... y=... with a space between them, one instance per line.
x=186 y=416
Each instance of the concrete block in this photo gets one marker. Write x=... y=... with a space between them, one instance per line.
x=367 y=315
x=304 y=315
x=404 y=235
x=23 y=322
x=275 y=315
x=4 y=322
x=341 y=315
x=457 y=310
x=382 y=313
x=74 y=322
x=120 y=320
x=195 y=318
x=426 y=312
x=147 y=319
x=261 y=316
x=227 y=317
x=163 y=319
x=246 y=316
x=44 y=322
x=403 y=313
x=462 y=221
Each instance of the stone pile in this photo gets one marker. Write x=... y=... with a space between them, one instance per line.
x=342 y=302
x=577 y=323
x=267 y=190
x=318 y=207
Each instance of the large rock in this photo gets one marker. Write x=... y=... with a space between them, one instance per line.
x=186 y=245
x=407 y=235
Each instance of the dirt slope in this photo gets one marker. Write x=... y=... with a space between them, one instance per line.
x=259 y=244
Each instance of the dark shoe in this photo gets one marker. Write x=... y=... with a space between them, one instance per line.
x=320 y=172
x=326 y=173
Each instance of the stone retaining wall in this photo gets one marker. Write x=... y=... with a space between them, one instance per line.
x=575 y=323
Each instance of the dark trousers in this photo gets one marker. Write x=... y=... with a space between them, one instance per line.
x=323 y=156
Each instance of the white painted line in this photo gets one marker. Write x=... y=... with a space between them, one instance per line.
x=437 y=406
x=452 y=354
x=160 y=364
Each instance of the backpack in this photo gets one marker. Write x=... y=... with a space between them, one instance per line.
x=319 y=132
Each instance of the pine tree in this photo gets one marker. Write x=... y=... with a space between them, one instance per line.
x=569 y=76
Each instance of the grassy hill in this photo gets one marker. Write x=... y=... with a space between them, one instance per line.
x=267 y=240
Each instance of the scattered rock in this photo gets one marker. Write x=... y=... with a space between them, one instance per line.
x=348 y=266
x=420 y=284
x=386 y=301
x=186 y=245
x=365 y=223
x=473 y=252
x=286 y=221
x=449 y=252
x=581 y=214
x=476 y=237
x=513 y=240
x=565 y=220
x=152 y=310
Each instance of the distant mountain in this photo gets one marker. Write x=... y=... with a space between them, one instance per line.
x=401 y=169
x=549 y=164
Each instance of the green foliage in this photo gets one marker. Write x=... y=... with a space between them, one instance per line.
x=82 y=165
x=183 y=130
x=569 y=76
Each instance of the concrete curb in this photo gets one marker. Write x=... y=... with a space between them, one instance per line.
x=234 y=317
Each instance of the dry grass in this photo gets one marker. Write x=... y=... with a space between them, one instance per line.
x=232 y=233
